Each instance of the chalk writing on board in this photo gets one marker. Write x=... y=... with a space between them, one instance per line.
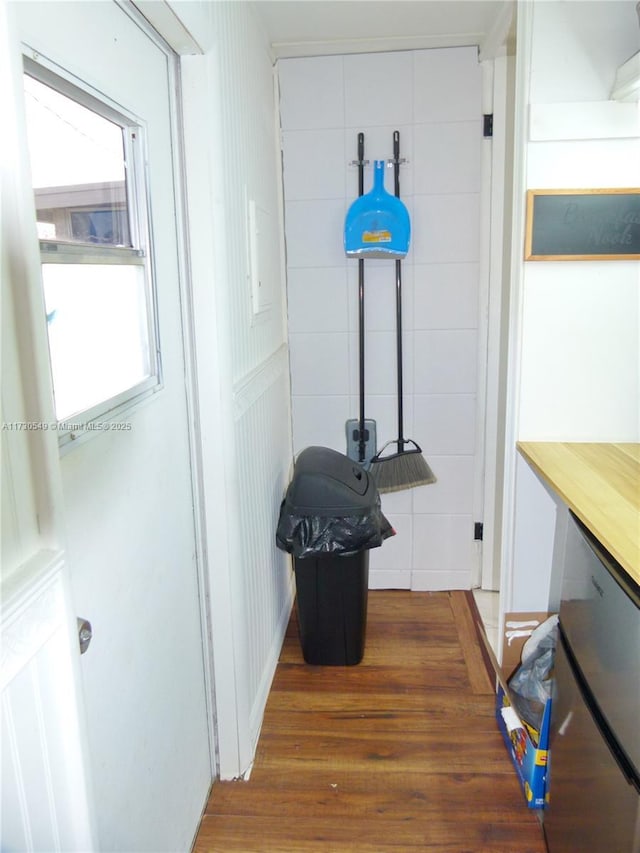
x=583 y=225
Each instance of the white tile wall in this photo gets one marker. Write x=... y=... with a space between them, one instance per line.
x=446 y=228
x=453 y=493
x=378 y=89
x=320 y=420
x=397 y=549
x=314 y=97
x=318 y=363
x=447 y=85
x=326 y=150
x=445 y=296
x=447 y=161
x=433 y=98
x=447 y=361
x=311 y=227
x=318 y=299
x=445 y=423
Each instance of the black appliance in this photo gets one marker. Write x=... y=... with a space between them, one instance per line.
x=594 y=758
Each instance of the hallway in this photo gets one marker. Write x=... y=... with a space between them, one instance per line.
x=399 y=753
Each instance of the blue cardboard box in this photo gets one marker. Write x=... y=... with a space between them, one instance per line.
x=527 y=747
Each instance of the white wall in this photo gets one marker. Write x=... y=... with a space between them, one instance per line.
x=242 y=360
x=575 y=366
x=433 y=98
x=580 y=374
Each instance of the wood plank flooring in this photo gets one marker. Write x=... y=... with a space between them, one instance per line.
x=399 y=753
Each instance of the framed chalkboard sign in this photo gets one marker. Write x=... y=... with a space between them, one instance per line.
x=583 y=225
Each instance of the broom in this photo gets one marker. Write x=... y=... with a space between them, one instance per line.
x=407 y=467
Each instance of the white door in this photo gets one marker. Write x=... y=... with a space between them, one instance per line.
x=127 y=488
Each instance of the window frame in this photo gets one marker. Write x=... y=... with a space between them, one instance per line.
x=82 y=425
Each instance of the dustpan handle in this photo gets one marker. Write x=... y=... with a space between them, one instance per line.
x=361 y=426
x=396 y=163
x=378 y=177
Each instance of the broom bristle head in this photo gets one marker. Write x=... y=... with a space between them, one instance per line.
x=401 y=471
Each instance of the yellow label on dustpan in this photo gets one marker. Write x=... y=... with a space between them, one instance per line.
x=376 y=237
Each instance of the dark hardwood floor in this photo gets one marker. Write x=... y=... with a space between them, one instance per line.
x=401 y=752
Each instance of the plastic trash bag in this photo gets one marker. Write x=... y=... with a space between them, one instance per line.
x=331 y=507
x=312 y=535
x=532 y=684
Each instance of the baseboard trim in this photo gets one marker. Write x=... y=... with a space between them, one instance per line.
x=262 y=694
x=477 y=621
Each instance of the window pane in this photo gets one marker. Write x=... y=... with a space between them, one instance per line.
x=98 y=332
x=78 y=170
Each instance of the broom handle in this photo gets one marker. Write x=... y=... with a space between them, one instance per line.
x=396 y=181
x=361 y=429
x=399 y=351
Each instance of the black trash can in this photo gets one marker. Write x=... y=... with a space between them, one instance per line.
x=329 y=520
x=331 y=600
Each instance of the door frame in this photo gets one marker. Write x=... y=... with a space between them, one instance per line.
x=227 y=706
x=232 y=749
x=498 y=181
x=498 y=62
x=213 y=417
x=191 y=377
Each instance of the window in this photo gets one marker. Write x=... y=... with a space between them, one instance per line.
x=86 y=165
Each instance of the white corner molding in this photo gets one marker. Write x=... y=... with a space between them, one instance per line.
x=585 y=120
x=165 y=21
x=371 y=44
x=626 y=86
x=499 y=38
x=249 y=389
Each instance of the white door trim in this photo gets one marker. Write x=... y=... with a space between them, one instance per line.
x=215 y=433
x=512 y=390
x=484 y=403
x=191 y=375
x=493 y=319
x=499 y=242
x=192 y=396
x=209 y=386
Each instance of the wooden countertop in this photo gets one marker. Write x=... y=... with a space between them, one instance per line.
x=601 y=484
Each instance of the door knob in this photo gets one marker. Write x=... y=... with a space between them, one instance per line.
x=85 y=633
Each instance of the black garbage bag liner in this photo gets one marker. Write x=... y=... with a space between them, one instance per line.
x=332 y=506
x=311 y=535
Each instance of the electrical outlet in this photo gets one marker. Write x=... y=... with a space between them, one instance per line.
x=353 y=436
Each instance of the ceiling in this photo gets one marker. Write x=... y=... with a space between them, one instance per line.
x=321 y=27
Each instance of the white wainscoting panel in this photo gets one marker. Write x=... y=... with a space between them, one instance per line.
x=262 y=443
x=44 y=802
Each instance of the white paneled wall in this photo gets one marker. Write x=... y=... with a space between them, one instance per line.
x=433 y=98
x=244 y=398
x=260 y=389
x=263 y=475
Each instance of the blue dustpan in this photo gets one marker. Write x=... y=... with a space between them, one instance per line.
x=377 y=224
